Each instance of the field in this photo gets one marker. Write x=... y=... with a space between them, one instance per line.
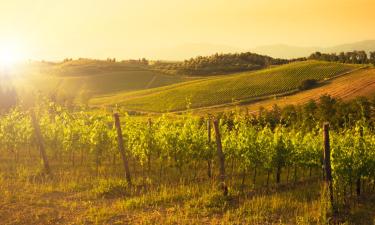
x=242 y=87
x=88 y=78
x=173 y=173
x=350 y=86
x=70 y=199
x=187 y=112
x=76 y=198
x=63 y=166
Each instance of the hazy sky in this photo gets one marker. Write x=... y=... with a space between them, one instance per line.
x=54 y=29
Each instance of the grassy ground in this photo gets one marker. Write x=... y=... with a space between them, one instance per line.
x=239 y=87
x=107 y=82
x=76 y=196
x=88 y=77
x=184 y=204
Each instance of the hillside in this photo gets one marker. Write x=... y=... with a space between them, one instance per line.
x=243 y=87
x=353 y=85
x=91 y=77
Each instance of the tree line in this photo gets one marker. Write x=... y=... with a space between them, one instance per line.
x=222 y=64
x=354 y=57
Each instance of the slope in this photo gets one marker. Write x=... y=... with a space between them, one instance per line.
x=92 y=77
x=353 y=85
x=242 y=87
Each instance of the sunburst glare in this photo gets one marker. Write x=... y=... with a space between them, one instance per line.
x=10 y=54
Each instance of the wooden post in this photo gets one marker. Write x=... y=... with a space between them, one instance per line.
x=278 y=174
x=327 y=162
x=120 y=142
x=221 y=157
x=358 y=182
x=149 y=150
x=209 y=130
x=209 y=173
x=40 y=142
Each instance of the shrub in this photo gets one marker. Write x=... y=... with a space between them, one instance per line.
x=111 y=188
x=213 y=202
x=307 y=84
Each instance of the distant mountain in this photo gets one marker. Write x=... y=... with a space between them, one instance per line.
x=367 y=46
x=287 y=51
x=191 y=50
x=284 y=51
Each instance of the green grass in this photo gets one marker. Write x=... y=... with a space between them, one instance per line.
x=90 y=77
x=76 y=195
x=104 y=83
x=53 y=201
x=245 y=86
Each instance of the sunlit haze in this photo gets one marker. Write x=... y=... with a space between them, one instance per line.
x=11 y=52
x=52 y=30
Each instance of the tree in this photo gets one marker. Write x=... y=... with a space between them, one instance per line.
x=307 y=84
x=372 y=58
x=316 y=55
x=362 y=57
x=341 y=57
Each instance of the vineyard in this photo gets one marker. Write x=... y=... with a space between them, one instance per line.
x=187 y=112
x=126 y=158
x=242 y=87
x=351 y=86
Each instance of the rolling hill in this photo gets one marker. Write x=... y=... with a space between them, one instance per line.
x=241 y=87
x=91 y=77
x=353 y=85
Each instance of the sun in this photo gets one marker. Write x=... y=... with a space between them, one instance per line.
x=8 y=58
x=10 y=54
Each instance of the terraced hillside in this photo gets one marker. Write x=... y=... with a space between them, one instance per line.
x=360 y=83
x=353 y=85
x=241 y=87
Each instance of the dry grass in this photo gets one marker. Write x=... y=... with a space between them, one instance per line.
x=75 y=197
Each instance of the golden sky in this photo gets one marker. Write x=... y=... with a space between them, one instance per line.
x=54 y=29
